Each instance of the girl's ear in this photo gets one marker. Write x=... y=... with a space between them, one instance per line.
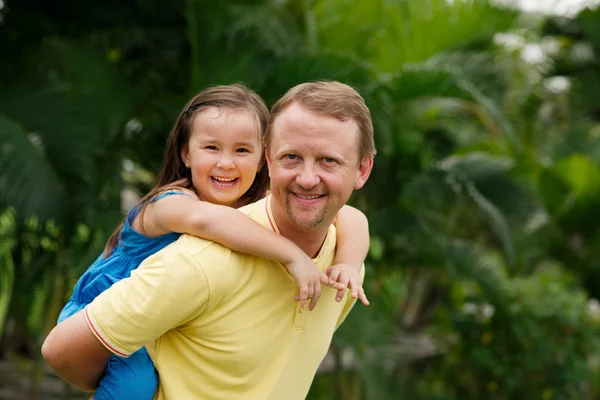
x=184 y=157
x=263 y=159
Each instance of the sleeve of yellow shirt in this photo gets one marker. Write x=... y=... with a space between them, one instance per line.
x=167 y=290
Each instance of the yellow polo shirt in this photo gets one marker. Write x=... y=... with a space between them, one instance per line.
x=220 y=324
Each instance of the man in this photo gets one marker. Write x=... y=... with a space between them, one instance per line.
x=220 y=324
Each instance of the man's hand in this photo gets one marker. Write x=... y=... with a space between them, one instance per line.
x=345 y=276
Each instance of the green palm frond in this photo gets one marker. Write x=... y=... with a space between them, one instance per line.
x=497 y=222
x=465 y=260
x=273 y=26
x=476 y=166
x=483 y=68
x=7 y=267
x=70 y=149
x=422 y=82
x=570 y=191
x=443 y=196
x=61 y=134
x=325 y=66
x=245 y=39
x=390 y=34
x=28 y=181
x=588 y=21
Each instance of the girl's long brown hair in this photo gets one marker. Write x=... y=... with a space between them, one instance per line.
x=174 y=173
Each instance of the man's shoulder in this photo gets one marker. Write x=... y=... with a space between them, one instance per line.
x=255 y=210
x=192 y=244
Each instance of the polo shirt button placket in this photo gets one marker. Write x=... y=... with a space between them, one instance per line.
x=299 y=317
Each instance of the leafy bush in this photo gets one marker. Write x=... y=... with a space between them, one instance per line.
x=542 y=344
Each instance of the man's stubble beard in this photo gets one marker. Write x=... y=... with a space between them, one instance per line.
x=311 y=224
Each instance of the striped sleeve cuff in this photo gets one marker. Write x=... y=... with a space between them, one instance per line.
x=106 y=342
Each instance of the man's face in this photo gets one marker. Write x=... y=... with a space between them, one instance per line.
x=314 y=165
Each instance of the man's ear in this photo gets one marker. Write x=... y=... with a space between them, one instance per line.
x=364 y=170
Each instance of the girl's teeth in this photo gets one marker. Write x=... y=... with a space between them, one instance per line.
x=224 y=181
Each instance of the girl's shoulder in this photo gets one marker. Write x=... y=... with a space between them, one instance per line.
x=173 y=191
x=141 y=219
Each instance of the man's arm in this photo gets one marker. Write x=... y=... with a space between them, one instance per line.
x=168 y=290
x=349 y=301
x=352 y=248
x=82 y=368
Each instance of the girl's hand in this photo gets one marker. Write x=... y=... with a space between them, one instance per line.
x=346 y=275
x=308 y=279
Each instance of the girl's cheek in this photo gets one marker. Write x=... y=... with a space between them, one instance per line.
x=251 y=162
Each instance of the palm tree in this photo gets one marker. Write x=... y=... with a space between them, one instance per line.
x=62 y=137
x=466 y=211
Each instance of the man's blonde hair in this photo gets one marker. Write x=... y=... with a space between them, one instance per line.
x=332 y=99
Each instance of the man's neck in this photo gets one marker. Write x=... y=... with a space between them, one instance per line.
x=310 y=240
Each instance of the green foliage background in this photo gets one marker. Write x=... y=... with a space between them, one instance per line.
x=485 y=260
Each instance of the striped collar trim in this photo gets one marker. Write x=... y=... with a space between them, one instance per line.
x=269 y=213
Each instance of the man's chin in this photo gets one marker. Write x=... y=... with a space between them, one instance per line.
x=307 y=221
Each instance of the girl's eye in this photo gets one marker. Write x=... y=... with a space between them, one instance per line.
x=211 y=147
x=242 y=150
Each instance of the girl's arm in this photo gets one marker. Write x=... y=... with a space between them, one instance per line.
x=233 y=229
x=352 y=249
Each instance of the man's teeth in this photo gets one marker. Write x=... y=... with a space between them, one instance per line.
x=307 y=197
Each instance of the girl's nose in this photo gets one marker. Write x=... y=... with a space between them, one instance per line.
x=225 y=163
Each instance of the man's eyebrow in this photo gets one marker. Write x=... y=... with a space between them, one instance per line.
x=284 y=149
x=287 y=150
x=332 y=154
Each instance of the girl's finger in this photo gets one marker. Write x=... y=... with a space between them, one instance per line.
x=363 y=297
x=334 y=273
x=316 y=296
x=304 y=294
x=354 y=288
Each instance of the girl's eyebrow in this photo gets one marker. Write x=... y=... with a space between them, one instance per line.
x=246 y=144
x=205 y=139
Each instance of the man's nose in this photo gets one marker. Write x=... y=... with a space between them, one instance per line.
x=307 y=178
x=225 y=162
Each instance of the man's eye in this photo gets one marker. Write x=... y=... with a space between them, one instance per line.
x=291 y=156
x=329 y=160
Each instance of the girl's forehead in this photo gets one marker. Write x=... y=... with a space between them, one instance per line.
x=215 y=123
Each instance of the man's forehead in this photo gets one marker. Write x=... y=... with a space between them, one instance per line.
x=298 y=128
x=297 y=116
x=292 y=115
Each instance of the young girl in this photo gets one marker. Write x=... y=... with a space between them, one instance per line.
x=214 y=163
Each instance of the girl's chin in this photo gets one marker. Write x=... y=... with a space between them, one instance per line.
x=224 y=200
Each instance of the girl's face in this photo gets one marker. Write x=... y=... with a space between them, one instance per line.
x=223 y=154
